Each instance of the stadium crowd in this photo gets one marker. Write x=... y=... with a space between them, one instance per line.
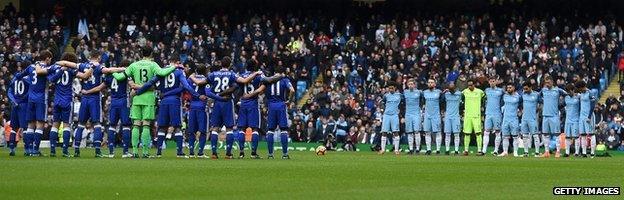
x=343 y=65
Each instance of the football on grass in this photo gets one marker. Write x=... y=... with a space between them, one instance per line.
x=320 y=150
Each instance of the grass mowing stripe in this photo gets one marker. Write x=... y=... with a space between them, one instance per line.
x=338 y=175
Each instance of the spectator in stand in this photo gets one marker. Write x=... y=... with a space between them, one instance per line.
x=613 y=140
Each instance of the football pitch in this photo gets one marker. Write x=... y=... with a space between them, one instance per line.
x=337 y=175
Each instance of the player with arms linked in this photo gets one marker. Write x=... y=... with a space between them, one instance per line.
x=90 y=104
x=277 y=119
x=223 y=111
x=197 y=117
x=63 y=97
x=142 y=108
x=249 y=111
x=119 y=111
x=36 y=111
x=170 y=107
x=18 y=95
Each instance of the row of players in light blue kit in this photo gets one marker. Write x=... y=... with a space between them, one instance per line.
x=502 y=112
x=28 y=93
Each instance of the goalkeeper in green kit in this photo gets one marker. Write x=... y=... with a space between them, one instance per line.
x=473 y=97
x=143 y=108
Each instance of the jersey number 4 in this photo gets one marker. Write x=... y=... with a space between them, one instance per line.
x=114 y=85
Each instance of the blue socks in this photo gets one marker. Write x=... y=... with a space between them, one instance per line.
x=254 y=142
x=28 y=141
x=97 y=138
x=202 y=143
x=270 y=140
x=125 y=138
x=229 y=141
x=78 y=139
x=12 y=142
x=66 y=138
x=53 y=140
x=241 y=141
x=179 y=139
x=191 y=139
x=214 y=138
x=37 y=141
x=111 y=141
x=159 y=142
x=284 y=142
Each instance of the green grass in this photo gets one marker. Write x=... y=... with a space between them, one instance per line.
x=338 y=175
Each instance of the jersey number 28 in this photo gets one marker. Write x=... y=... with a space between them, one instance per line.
x=222 y=84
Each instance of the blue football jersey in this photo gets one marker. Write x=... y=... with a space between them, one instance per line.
x=38 y=90
x=551 y=101
x=63 y=79
x=392 y=103
x=529 y=105
x=197 y=103
x=276 y=92
x=572 y=107
x=493 y=101
x=221 y=80
x=586 y=109
x=432 y=102
x=118 y=91
x=412 y=101
x=93 y=81
x=249 y=88
x=510 y=109
x=452 y=103
x=172 y=87
x=18 y=90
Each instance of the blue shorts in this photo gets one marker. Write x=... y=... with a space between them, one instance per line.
x=62 y=114
x=277 y=117
x=119 y=113
x=528 y=127
x=413 y=123
x=390 y=123
x=90 y=109
x=432 y=124
x=551 y=125
x=452 y=124
x=18 y=117
x=170 y=115
x=492 y=122
x=36 y=111
x=586 y=127
x=222 y=114
x=249 y=117
x=510 y=127
x=571 y=129
x=197 y=121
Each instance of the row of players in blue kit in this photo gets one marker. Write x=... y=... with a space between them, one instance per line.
x=29 y=93
x=502 y=112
